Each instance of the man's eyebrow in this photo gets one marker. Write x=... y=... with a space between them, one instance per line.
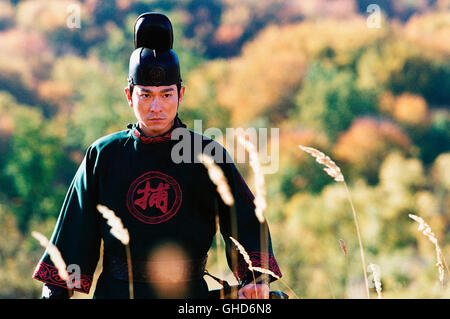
x=167 y=90
x=145 y=90
x=162 y=91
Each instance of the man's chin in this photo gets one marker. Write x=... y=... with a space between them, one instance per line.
x=154 y=128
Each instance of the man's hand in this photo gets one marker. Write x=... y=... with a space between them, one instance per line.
x=50 y=291
x=252 y=291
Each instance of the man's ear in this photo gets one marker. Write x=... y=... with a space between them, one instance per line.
x=128 y=95
x=182 y=89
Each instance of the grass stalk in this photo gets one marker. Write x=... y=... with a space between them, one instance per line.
x=363 y=261
x=130 y=272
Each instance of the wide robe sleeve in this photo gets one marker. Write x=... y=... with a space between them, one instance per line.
x=240 y=222
x=76 y=234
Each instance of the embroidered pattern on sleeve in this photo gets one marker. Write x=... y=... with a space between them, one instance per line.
x=49 y=274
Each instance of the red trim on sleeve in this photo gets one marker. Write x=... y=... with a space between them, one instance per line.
x=49 y=274
x=258 y=259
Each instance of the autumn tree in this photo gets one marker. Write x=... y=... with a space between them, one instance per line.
x=365 y=144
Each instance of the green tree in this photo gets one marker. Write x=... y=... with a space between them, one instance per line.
x=37 y=167
x=429 y=78
x=329 y=100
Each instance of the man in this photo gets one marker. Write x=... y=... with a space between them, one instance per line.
x=164 y=203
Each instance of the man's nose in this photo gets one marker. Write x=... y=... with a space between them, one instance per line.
x=155 y=105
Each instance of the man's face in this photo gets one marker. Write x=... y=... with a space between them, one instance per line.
x=155 y=107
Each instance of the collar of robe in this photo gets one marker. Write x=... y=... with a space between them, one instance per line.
x=140 y=136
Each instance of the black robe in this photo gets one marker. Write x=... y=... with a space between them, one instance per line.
x=160 y=202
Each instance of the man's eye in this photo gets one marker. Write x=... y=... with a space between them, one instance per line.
x=167 y=95
x=145 y=95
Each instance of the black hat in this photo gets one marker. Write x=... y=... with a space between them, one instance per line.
x=153 y=30
x=153 y=62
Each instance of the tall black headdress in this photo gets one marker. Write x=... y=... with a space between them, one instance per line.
x=153 y=62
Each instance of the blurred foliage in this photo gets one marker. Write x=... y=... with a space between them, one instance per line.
x=35 y=166
x=329 y=101
x=362 y=158
x=376 y=100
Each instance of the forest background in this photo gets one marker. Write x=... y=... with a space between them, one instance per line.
x=371 y=93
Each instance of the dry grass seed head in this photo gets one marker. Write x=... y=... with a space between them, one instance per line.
x=54 y=254
x=117 y=229
x=218 y=178
x=260 y=192
x=243 y=253
x=426 y=230
x=343 y=246
x=266 y=271
x=376 y=280
x=330 y=166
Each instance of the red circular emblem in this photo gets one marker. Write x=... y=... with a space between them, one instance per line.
x=154 y=197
